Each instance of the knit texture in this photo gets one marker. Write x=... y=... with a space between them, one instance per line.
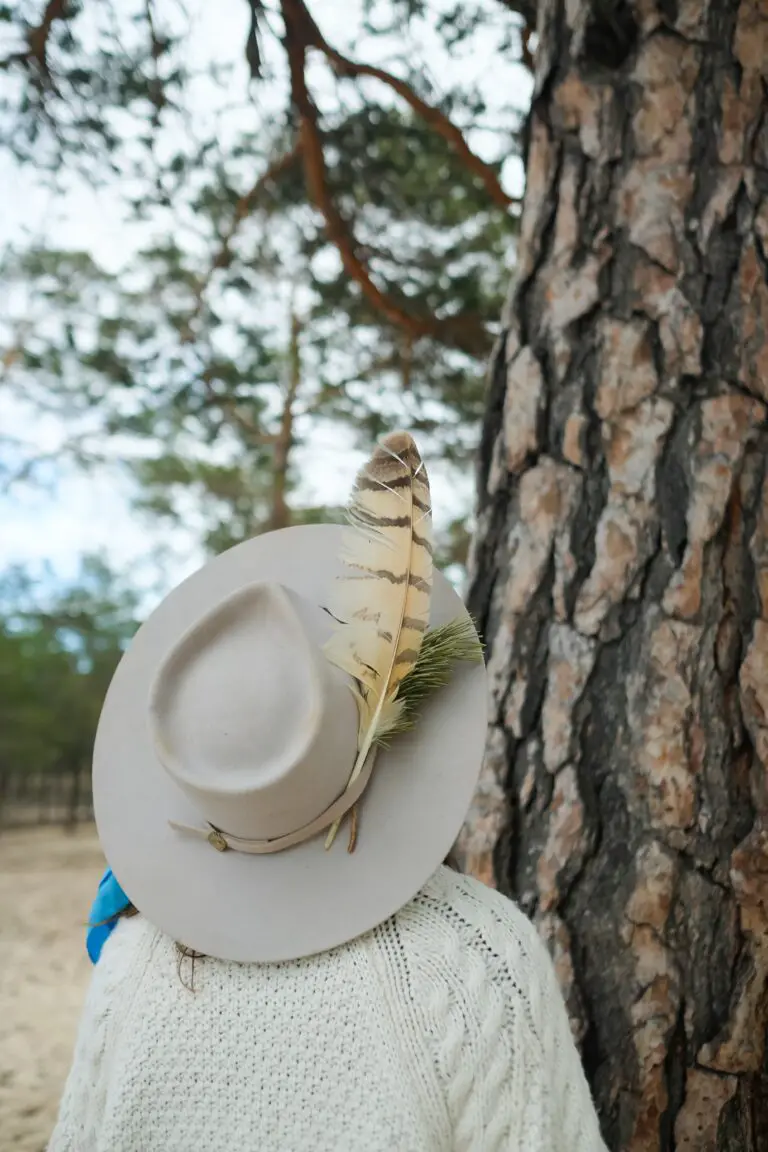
x=442 y=1031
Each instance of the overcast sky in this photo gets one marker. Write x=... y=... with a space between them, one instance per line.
x=73 y=514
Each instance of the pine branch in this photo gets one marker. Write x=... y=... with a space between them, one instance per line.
x=525 y=8
x=37 y=39
x=157 y=46
x=76 y=447
x=280 y=515
x=466 y=332
x=273 y=173
x=432 y=116
x=252 y=45
x=442 y=648
x=243 y=208
x=528 y=56
x=234 y=414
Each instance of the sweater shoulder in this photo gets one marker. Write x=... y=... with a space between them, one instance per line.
x=126 y=952
x=489 y=996
x=471 y=978
x=476 y=900
x=484 y=918
x=128 y=962
x=463 y=939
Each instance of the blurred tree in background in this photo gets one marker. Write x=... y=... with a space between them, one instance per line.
x=326 y=249
x=58 y=651
x=311 y=250
x=313 y=235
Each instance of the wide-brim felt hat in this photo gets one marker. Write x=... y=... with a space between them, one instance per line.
x=225 y=725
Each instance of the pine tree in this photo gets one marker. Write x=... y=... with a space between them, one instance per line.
x=354 y=280
x=620 y=570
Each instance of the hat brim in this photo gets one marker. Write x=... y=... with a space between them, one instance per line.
x=306 y=899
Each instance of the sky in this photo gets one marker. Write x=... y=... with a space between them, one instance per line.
x=69 y=514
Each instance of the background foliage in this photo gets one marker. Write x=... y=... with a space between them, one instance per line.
x=316 y=235
x=57 y=654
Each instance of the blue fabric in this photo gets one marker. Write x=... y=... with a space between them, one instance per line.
x=110 y=899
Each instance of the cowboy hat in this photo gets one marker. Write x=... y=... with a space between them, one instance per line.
x=224 y=750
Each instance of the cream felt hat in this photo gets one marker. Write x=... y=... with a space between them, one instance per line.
x=226 y=748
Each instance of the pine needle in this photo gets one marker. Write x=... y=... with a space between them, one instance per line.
x=449 y=644
x=441 y=648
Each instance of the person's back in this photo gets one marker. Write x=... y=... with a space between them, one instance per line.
x=356 y=999
x=442 y=1029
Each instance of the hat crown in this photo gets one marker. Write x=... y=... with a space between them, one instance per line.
x=241 y=697
x=249 y=719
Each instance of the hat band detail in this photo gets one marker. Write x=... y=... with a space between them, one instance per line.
x=222 y=841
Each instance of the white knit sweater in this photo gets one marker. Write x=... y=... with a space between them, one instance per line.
x=443 y=1029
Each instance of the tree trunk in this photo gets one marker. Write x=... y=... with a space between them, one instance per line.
x=620 y=568
x=281 y=514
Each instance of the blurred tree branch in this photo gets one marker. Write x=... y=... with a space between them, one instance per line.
x=525 y=8
x=432 y=116
x=465 y=329
x=366 y=195
x=235 y=415
x=529 y=56
x=280 y=516
x=252 y=45
x=76 y=448
x=243 y=208
x=466 y=332
x=36 y=51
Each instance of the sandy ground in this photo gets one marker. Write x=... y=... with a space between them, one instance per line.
x=47 y=882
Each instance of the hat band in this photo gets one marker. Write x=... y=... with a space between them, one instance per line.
x=222 y=841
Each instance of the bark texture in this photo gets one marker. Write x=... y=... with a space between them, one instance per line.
x=620 y=568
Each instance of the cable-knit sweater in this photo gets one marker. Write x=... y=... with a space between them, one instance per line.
x=442 y=1030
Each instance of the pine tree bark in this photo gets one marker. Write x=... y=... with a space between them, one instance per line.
x=620 y=568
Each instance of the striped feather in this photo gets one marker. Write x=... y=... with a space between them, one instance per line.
x=382 y=602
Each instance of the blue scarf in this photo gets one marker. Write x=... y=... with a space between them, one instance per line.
x=110 y=899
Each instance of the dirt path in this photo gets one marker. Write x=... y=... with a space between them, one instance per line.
x=47 y=882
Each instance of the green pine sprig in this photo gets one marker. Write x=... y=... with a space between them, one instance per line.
x=441 y=648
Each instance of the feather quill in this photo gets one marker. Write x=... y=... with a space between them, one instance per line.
x=382 y=602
